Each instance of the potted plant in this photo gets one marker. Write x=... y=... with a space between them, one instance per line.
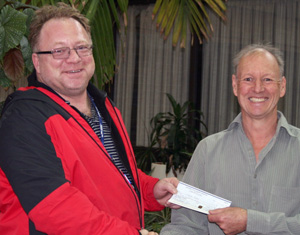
x=173 y=139
x=172 y=142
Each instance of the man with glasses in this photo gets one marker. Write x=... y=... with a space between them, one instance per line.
x=66 y=162
x=255 y=163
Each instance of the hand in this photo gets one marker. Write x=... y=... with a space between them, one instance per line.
x=146 y=232
x=231 y=220
x=163 y=191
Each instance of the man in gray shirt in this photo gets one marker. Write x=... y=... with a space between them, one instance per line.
x=255 y=163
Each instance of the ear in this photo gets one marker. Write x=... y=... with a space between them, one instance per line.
x=234 y=84
x=282 y=86
x=36 y=62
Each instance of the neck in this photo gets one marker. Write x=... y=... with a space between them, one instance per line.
x=260 y=132
x=82 y=103
x=260 y=126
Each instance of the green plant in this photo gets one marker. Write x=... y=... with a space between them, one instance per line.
x=104 y=17
x=180 y=15
x=15 y=51
x=173 y=139
x=154 y=221
x=15 y=16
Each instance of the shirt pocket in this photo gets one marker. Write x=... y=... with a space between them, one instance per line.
x=285 y=199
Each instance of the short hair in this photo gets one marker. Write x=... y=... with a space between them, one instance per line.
x=48 y=12
x=252 y=48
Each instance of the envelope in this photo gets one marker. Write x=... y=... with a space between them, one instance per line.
x=196 y=199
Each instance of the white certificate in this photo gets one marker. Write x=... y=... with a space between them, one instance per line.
x=197 y=199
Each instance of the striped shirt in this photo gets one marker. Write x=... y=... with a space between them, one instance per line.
x=108 y=142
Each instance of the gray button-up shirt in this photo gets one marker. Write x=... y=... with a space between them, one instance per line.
x=224 y=164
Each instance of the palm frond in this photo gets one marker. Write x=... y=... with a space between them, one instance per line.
x=180 y=15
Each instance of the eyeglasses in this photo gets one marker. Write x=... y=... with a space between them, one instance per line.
x=64 y=52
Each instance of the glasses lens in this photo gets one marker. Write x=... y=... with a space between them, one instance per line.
x=84 y=51
x=61 y=53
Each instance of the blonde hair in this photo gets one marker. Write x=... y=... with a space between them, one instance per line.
x=46 y=13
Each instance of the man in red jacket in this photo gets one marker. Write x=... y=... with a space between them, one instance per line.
x=67 y=164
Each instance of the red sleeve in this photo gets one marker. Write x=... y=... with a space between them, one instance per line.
x=147 y=185
x=67 y=211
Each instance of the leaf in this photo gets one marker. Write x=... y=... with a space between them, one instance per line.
x=13 y=64
x=30 y=13
x=178 y=25
x=186 y=13
x=172 y=101
x=216 y=8
x=123 y=5
x=90 y=14
x=4 y=81
x=104 y=44
x=162 y=12
x=78 y=4
x=2 y=3
x=221 y=4
x=26 y=52
x=102 y=23
x=12 y=28
x=197 y=21
x=114 y=12
x=169 y=15
x=184 y=28
x=171 y=20
x=156 y=8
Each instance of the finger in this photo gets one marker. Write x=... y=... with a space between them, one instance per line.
x=144 y=232
x=170 y=188
x=174 y=181
x=172 y=205
x=216 y=211
x=152 y=233
x=175 y=207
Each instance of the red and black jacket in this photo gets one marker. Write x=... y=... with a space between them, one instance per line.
x=55 y=175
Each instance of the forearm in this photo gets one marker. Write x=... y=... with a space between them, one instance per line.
x=68 y=211
x=272 y=223
x=147 y=185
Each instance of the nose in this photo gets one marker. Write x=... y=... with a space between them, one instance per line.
x=258 y=85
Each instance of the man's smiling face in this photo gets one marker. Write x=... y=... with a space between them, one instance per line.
x=68 y=77
x=258 y=84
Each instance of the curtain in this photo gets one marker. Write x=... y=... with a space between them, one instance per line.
x=249 y=21
x=126 y=63
x=154 y=67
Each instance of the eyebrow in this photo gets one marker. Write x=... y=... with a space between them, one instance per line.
x=264 y=75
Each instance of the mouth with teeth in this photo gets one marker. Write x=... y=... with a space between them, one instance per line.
x=257 y=100
x=74 y=71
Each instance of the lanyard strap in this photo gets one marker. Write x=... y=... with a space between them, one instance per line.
x=101 y=129
x=100 y=119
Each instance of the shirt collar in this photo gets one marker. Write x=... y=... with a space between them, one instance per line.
x=282 y=124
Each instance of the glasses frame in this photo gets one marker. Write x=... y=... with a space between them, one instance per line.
x=53 y=52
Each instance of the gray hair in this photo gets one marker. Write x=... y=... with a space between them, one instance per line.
x=250 y=49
